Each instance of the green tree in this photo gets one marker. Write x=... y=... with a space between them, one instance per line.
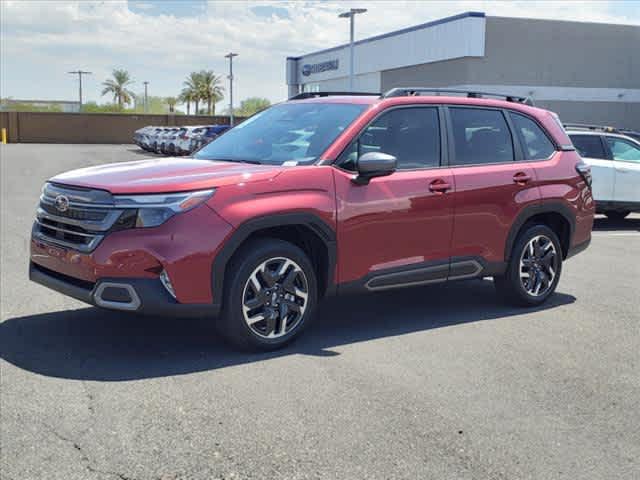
x=93 y=107
x=155 y=104
x=117 y=86
x=252 y=105
x=28 y=107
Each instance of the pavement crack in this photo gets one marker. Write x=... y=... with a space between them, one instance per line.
x=121 y=476
x=66 y=439
x=84 y=457
x=90 y=399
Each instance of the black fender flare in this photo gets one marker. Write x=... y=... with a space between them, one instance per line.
x=310 y=220
x=528 y=212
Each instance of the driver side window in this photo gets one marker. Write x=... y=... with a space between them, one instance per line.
x=412 y=135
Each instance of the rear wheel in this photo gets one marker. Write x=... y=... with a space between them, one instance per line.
x=270 y=295
x=617 y=214
x=534 y=268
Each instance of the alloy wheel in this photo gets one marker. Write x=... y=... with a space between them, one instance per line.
x=538 y=265
x=275 y=297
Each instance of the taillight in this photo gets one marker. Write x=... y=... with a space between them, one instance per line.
x=585 y=172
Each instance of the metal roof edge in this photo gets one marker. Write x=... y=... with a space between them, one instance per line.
x=396 y=32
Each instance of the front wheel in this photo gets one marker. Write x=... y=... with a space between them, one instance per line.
x=270 y=295
x=533 y=271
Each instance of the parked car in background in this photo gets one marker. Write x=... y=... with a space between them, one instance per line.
x=140 y=137
x=206 y=134
x=137 y=135
x=631 y=133
x=147 y=138
x=167 y=145
x=409 y=188
x=177 y=140
x=156 y=139
x=614 y=157
x=185 y=139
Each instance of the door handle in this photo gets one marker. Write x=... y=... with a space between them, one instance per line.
x=623 y=170
x=439 y=186
x=521 y=178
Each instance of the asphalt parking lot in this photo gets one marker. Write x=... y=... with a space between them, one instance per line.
x=442 y=382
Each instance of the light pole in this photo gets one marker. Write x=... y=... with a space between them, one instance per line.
x=230 y=56
x=80 y=73
x=146 y=108
x=351 y=15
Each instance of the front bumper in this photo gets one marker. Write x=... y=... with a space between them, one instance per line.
x=184 y=247
x=139 y=295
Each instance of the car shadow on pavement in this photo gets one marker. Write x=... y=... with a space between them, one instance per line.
x=603 y=224
x=101 y=345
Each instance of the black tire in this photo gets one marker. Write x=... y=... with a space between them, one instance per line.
x=617 y=214
x=511 y=287
x=232 y=324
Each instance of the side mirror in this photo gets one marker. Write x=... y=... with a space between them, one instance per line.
x=374 y=164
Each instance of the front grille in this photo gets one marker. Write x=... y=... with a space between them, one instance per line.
x=76 y=214
x=74 y=218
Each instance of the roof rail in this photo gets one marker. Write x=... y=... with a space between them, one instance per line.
x=303 y=95
x=585 y=126
x=415 y=91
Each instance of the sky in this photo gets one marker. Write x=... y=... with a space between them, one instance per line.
x=162 y=41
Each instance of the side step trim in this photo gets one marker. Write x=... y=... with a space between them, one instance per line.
x=457 y=270
x=465 y=269
x=417 y=276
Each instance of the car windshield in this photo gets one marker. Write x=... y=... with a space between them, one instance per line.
x=296 y=133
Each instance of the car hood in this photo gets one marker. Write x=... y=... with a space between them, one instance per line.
x=166 y=175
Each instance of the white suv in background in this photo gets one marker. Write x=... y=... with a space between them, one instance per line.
x=615 y=167
x=185 y=139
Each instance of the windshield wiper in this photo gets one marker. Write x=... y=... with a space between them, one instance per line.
x=236 y=160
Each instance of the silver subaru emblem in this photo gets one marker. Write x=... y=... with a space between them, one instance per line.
x=62 y=203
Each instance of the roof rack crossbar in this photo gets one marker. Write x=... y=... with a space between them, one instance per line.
x=413 y=91
x=586 y=126
x=303 y=95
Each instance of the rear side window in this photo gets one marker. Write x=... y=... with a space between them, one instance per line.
x=535 y=143
x=589 y=146
x=623 y=150
x=480 y=136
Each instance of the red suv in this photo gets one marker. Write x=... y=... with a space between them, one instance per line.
x=323 y=195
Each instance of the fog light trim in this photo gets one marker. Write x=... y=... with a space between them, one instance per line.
x=132 y=305
x=166 y=283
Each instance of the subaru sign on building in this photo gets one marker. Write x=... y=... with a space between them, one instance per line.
x=308 y=69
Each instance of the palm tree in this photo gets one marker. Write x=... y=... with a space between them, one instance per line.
x=117 y=86
x=186 y=97
x=192 y=85
x=171 y=101
x=211 y=89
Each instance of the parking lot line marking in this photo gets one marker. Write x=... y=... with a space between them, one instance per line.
x=616 y=234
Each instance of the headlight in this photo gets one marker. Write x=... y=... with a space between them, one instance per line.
x=154 y=210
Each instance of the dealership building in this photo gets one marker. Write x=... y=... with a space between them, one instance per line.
x=586 y=72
